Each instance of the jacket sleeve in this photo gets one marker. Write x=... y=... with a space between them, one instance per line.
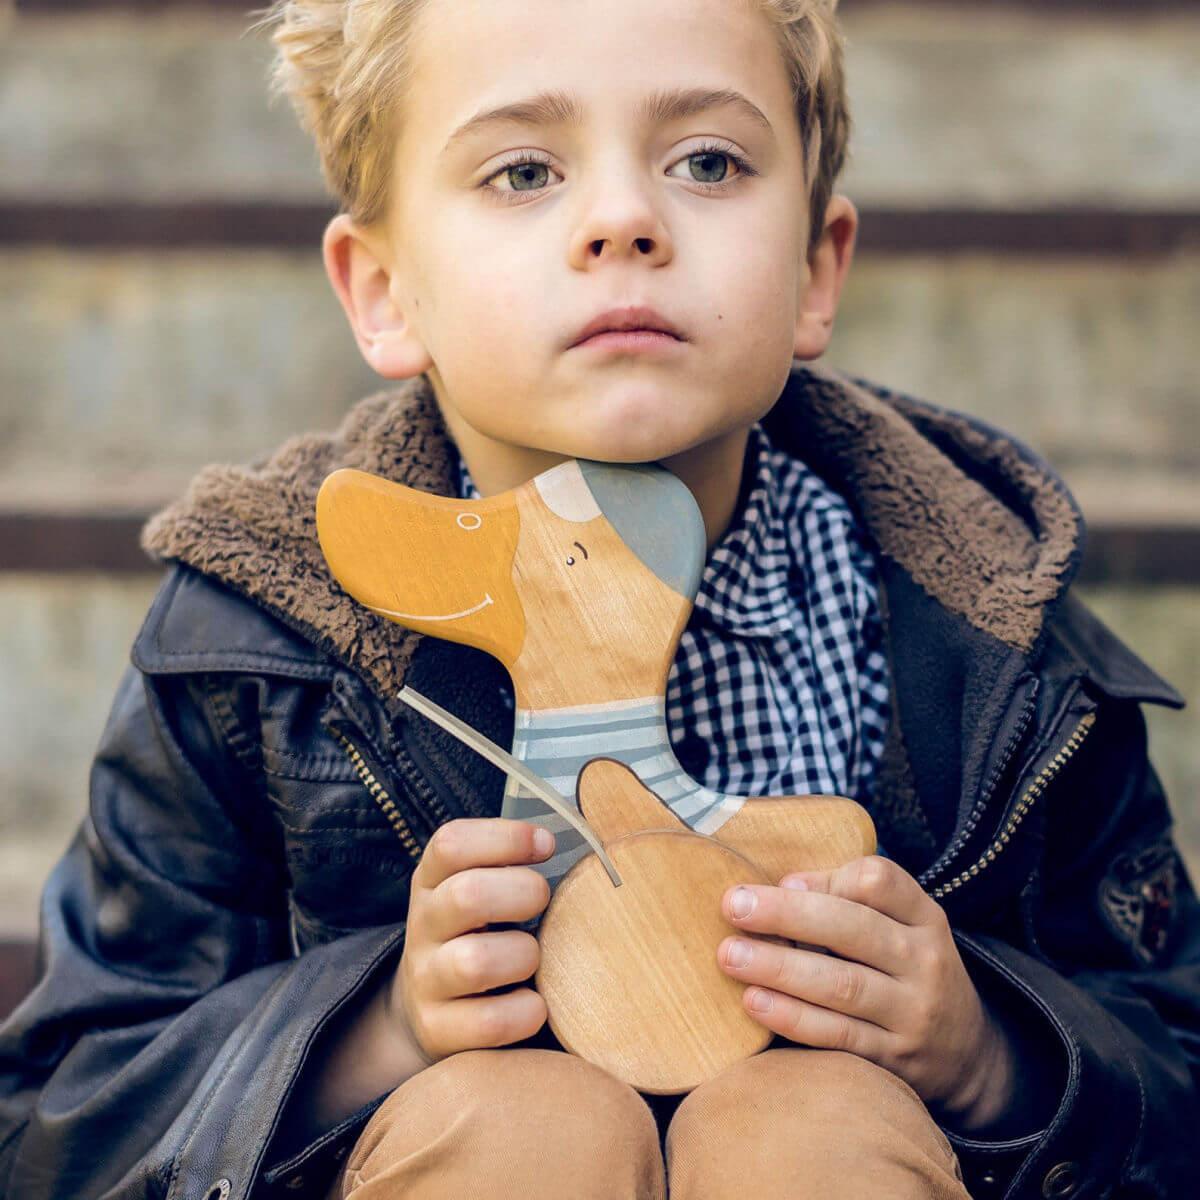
x=1107 y=988
x=170 y=1020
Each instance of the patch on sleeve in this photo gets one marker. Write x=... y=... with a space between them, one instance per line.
x=1137 y=897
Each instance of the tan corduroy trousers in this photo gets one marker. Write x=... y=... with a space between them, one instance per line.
x=519 y=1123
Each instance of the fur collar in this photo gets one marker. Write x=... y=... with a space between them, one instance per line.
x=975 y=518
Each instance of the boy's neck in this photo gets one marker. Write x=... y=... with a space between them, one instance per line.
x=712 y=470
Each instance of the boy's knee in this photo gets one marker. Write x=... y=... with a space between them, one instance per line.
x=815 y=1094
x=838 y=1077
x=527 y=1105
x=836 y=1123
x=489 y=1081
x=851 y=1078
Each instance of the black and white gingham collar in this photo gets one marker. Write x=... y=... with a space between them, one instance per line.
x=745 y=588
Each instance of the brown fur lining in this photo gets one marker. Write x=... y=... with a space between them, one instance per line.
x=254 y=527
x=956 y=533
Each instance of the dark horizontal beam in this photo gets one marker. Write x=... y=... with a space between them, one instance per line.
x=1082 y=7
x=180 y=226
x=1075 y=231
x=1142 y=554
x=1067 y=230
x=72 y=542
x=16 y=973
x=87 y=6
x=74 y=7
x=1133 y=554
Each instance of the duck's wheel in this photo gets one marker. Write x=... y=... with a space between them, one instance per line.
x=630 y=975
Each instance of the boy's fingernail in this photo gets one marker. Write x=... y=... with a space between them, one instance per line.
x=795 y=882
x=742 y=902
x=738 y=954
x=543 y=841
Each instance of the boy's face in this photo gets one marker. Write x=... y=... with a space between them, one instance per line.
x=486 y=272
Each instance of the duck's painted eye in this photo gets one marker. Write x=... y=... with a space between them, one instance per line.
x=570 y=560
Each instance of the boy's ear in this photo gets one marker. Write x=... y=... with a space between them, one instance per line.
x=360 y=269
x=828 y=263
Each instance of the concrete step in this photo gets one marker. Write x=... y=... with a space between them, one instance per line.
x=985 y=106
x=126 y=372
x=66 y=642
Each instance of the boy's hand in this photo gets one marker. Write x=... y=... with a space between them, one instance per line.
x=470 y=875
x=896 y=993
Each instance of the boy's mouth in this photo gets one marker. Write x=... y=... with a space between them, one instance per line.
x=630 y=341
x=632 y=319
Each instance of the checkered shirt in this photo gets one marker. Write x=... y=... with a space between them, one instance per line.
x=779 y=685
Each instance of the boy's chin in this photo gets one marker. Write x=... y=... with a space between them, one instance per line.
x=644 y=451
x=641 y=441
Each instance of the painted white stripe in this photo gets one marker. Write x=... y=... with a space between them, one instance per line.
x=644 y=737
x=728 y=807
x=466 y=612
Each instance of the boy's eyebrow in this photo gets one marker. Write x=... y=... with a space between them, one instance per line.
x=563 y=108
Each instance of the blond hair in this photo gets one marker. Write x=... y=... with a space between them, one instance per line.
x=345 y=65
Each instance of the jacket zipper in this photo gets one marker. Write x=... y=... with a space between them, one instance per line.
x=379 y=795
x=1027 y=801
x=420 y=787
x=981 y=805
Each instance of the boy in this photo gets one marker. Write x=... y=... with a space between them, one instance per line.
x=250 y=983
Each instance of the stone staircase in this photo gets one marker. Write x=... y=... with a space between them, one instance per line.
x=1028 y=178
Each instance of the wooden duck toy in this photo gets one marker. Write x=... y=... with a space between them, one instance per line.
x=580 y=581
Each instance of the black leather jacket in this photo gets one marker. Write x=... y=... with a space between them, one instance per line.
x=236 y=883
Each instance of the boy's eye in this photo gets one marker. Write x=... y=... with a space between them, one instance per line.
x=522 y=174
x=707 y=166
x=527 y=172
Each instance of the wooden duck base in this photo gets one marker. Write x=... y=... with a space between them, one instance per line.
x=630 y=974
